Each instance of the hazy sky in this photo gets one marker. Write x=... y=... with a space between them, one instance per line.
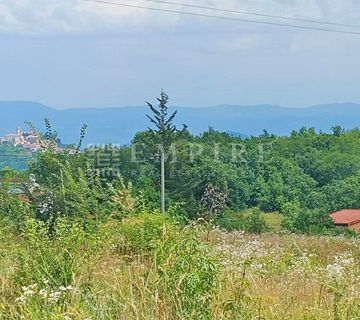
x=72 y=53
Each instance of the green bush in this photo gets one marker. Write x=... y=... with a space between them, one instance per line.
x=54 y=257
x=255 y=222
x=302 y=220
x=142 y=233
x=188 y=275
x=252 y=222
x=13 y=211
x=187 y=271
x=231 y=221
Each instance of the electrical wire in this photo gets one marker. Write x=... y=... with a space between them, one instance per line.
x=224 y=18
x=258 y=14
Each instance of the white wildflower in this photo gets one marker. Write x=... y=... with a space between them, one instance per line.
x=29 y=293
x=21 y=299
x=337 y=269
x=54 y=296
x=43 y=293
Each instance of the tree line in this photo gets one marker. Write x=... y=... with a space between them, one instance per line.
x=304 y=176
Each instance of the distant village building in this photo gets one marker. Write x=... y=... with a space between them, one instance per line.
x=13 y=138
x=349 y=218
x=27 y=140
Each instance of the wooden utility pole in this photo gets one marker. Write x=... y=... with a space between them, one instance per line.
x=163 y=181
x=163 y=133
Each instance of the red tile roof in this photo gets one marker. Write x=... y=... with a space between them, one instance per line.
x=346 y=217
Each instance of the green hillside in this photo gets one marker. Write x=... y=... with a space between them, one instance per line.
x=14 y=157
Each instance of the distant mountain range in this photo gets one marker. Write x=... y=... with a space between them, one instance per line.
x=118 y=125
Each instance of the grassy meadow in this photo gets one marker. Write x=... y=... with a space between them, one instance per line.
x=149 y=266
x=240 y=240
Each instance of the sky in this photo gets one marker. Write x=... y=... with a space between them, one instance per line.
x=77 y=54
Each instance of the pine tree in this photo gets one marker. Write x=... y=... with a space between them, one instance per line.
x=163 y=123
x=164 y=132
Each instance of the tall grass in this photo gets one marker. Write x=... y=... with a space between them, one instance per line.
x=149 y=267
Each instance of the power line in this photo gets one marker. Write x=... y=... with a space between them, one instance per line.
x=258 y=14
x=224 y=18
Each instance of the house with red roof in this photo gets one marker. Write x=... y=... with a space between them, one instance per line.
x=349 y=218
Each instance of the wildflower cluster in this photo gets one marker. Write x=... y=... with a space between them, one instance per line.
x=45 y=293
x=342 y=264
x=213 y=201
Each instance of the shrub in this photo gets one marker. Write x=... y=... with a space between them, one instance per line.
x=255 y=222
x=187 y=272
x=188 y=275
x=13 y=211
x=232 y=221
x=142 y=233
x=303 y=220
x=123 y=201
x=54 y=257
x=213 y=201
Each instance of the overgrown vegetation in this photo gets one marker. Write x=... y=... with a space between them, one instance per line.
x=84 y=239
x=14 y=157
x=148 y=266
x=304 y=176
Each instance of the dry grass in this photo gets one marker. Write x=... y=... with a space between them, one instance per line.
x=261 y=277
x=289 y=276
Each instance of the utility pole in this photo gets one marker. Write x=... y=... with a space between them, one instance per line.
x=162 y=181
x=163 y=133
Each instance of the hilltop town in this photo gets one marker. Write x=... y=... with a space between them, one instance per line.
x=28 y=140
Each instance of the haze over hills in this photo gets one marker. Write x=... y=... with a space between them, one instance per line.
x=118 y=125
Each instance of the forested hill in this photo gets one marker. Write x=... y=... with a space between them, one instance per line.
x=118 y=125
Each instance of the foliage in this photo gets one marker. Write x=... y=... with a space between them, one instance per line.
x=143 y=233
x=15 y=157
x=163 y=123
x=60 y=186
x=213 y=202
x=317 y=172
x=231 y=220
x=252 y=221
x=54 y=257
x=305 y=220
x=14 y=209
x=123 y=201
x=186 y=271
x=188 y=274
x=107 y=274
x=255 y=222
x=80 y=240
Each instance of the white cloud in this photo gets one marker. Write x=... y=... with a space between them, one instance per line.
x=36 y=17
x=241 y=43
